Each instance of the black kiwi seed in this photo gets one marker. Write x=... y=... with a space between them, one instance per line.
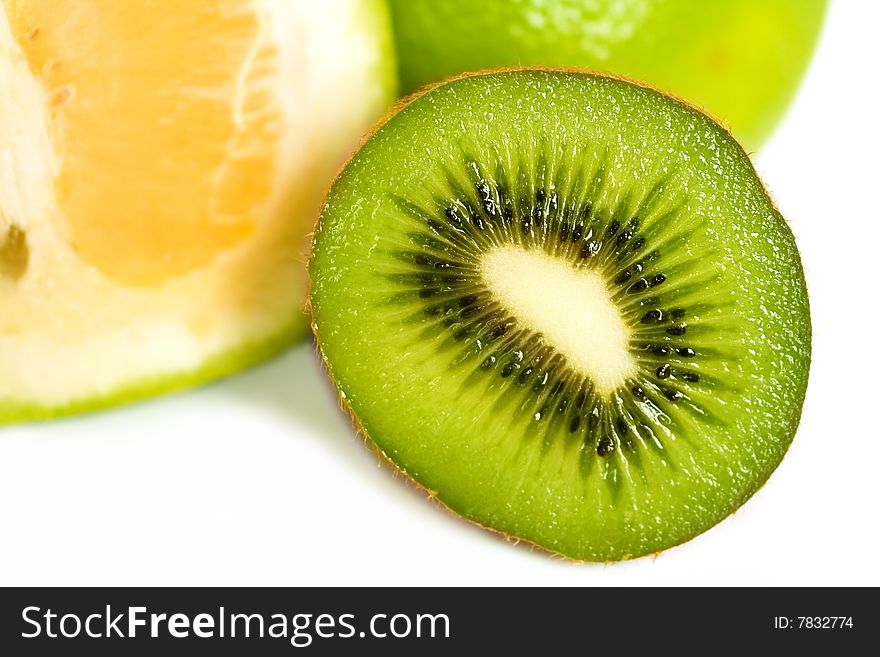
x=509 y=368
x=659 y=278
x=628 y=273
x=678 y=329
x=501 y=329
x=490 y=316
x=664 y=371
x=638 y=286
x=594 y=418
x=538 y=217
x=539 y=384
x=605 y=446
x=661 y=350
x=470 y=311
x=590 y=249
x=451 y=213
x=686 y=352
x=671 y=395
x=638 y=393
x=485 y=194
x=653 y=316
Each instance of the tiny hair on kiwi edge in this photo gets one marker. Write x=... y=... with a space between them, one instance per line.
x=346 y=407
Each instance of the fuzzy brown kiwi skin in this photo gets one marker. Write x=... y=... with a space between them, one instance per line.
x=346 y=407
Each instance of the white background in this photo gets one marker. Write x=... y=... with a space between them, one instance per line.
x=259 y=479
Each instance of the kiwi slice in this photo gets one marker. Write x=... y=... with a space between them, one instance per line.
x=565 y=305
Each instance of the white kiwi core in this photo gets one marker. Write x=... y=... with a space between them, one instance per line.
x=570 y=306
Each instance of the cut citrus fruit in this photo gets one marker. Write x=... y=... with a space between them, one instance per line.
x=160 y=168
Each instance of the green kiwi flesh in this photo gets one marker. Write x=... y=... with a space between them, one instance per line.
x=565 y=305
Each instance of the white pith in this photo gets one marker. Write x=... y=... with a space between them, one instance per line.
x=67 y=332
x=570 y=306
